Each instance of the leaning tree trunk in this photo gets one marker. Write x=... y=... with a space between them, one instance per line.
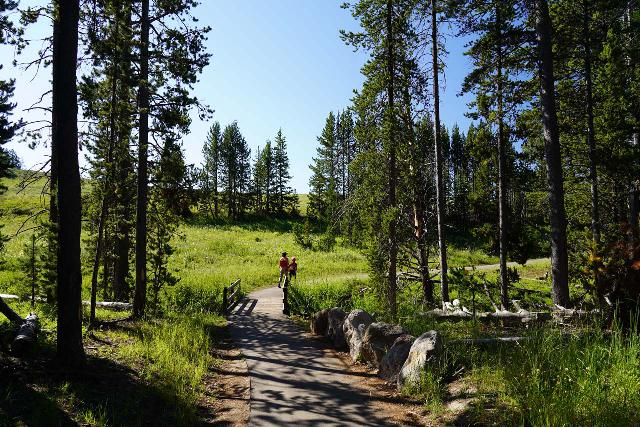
x=559 y=259
x=64 y=137
x=140 y=297
x=440 y=196
x=8 y=312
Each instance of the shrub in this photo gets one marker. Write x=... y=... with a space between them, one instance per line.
x=187 y=298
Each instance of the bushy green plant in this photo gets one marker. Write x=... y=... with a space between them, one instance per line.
x=190 y=299
x=302 y=234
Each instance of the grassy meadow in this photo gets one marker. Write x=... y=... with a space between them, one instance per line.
x=162 y=363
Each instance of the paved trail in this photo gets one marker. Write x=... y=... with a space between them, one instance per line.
x=294 y=380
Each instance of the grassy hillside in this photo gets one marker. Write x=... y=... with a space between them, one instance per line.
x=207 y=256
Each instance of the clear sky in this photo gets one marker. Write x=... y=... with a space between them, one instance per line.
x=276 y=64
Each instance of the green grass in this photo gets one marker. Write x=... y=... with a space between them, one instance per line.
x=592 y=379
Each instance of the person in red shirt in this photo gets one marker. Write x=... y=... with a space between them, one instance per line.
x=284 y=268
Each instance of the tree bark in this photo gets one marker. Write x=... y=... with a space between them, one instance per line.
x=442 y=245
x=591 y=133
x=502 y=170
x=559 y=259
x=70 y=351
x=393 y=239
x=140 y=297
x=8 y=312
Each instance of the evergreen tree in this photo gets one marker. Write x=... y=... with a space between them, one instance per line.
x=171 y=55
x=498 y=57
x=211 y=152
x=64 y=142
x=235 y=170
x=323 y=185
x=286 y=199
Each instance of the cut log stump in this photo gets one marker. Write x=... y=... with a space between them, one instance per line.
x=26 y=337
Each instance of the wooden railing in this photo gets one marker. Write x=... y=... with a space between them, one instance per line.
x=285 y=298
x=230 y=296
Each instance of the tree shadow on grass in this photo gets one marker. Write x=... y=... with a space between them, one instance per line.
x=277 y=224
x=35 y=392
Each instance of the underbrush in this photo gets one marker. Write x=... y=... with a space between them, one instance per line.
x=549 y=380
x=174 y=356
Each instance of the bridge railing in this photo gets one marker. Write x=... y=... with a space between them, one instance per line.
x=230 y=296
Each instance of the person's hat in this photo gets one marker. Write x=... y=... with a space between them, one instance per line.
x=284 y=254
x=293 y=259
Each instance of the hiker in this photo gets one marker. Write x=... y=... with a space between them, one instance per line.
x=293 y=268
x=284 y=268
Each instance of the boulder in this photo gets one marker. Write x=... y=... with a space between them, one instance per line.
x=335 y=333
x=424 y=351
x=319 y=322
x=354 y=327
x=393 y=361
x=377 y=340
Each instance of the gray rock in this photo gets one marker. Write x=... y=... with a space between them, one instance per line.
x=377 y=340
x=424 y=351
x=319 y=322
x=394 y=359
x=334 y=329
x=354 y=328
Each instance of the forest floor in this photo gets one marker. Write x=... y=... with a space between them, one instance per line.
x=130 y=379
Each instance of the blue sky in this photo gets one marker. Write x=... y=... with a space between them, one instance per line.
x=276 y=64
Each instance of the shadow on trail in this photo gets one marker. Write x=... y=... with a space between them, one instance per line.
x=294 y=379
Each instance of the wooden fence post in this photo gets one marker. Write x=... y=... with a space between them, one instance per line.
x=285 y=300
x=224 y=301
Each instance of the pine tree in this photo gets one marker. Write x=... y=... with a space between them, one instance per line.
x=323 y=202
x=498 y=57
x=70 y=351
x=390 y=38
x=539 y=9
x=235 y=170
x=171 y=55
x=286 y=199
x=211 y=152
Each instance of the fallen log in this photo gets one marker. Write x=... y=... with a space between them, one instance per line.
x=488 y=341
x=111 y=305
x=26 y=337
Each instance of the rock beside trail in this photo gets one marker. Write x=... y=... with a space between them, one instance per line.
x=334 y=329
x=377 y=340
x=394 y=359
x=424 y=351
x=354 y=327
x=319 y=322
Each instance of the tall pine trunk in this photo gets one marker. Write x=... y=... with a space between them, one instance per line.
x=440 y=196
x=502 y=169
x=64 y=142
x=104 y=204
x=140 y=297
x=393 y=238
x=559 y=259
x=591 y=133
